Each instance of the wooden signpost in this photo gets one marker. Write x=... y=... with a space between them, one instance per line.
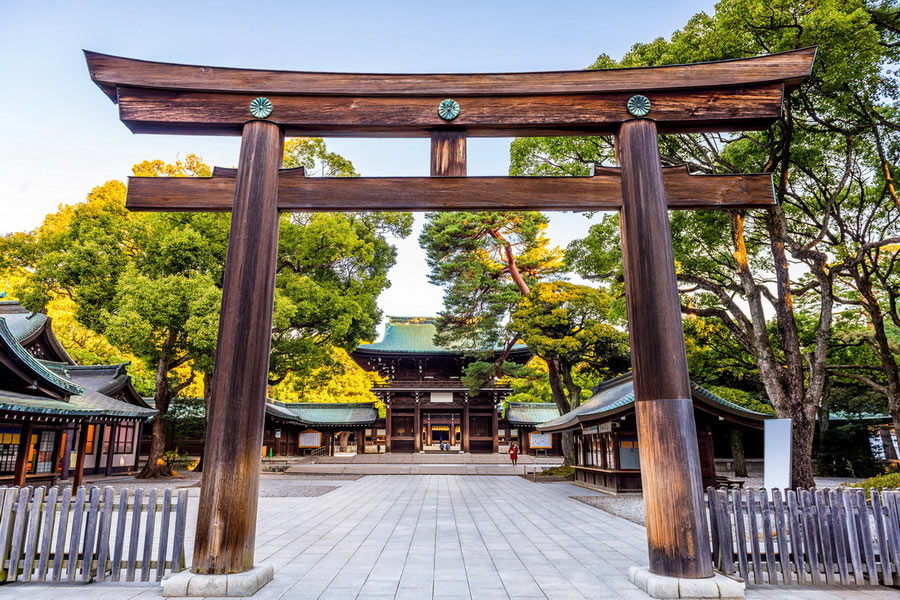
x=634 y=105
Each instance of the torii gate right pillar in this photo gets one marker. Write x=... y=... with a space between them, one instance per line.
x=677 y=535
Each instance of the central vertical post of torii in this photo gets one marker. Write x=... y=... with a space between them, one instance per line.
x=677 y=536
x=226 y=521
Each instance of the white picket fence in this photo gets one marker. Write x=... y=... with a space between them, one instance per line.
x=806 y=537
x=52 y=536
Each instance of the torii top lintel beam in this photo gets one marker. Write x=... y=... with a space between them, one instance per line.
x=156 y=97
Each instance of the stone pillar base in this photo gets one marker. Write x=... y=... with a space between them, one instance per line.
x=659 y=586
x=243 y=584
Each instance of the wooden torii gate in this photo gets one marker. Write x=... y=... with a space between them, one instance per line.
x=634 y=105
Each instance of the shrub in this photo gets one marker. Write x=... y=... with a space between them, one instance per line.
x=885 y=480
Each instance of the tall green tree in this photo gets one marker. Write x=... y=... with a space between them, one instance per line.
x=740 y=267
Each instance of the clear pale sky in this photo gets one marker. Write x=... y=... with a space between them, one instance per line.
x=60 y=135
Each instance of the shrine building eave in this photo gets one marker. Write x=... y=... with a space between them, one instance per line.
x=156 y=97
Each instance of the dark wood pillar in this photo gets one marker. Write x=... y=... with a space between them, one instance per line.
x=22 y=453
x=387 y=429
x=113 y=429
x=495 y=431
x=101 y=434
x=78 y=479
x=138 y=434
x=670 y=464
x=417 y=427
x=360 y=440
x=226 y=519
x=67 y=451
x=465 y=428
x=448 y=153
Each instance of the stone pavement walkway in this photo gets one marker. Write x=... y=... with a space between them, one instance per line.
x=441 y=537
x=422 y=464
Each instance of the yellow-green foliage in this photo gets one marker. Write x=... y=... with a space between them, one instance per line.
x=885 y=480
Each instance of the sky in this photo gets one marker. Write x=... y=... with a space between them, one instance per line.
x=61 y=136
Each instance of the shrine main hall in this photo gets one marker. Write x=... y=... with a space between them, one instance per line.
x=428 y=408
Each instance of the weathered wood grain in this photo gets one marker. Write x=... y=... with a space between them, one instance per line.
x=134 y=538
x=49 y=520
x=448 y=153
x=784 y=553
x=119 y=543
x=163 y=536
x=810 y=537
x=7 y=518
x=882 y=541
x=31 y=539
x=226 y=521
x=145 y=110
x=766 y=509
x=677 y=535
x=18 y=533
x=58 y=554
x=752 y=508
x=109 y=72
x=740 y=534
x=90 y=533
x=178 y=557
x=827 y=535
x=149 y=527
x=105 y=524
x=296 y=192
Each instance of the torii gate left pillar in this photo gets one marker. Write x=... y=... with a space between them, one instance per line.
x=226 y=522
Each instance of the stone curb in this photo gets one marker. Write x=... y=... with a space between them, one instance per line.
x=659 y=586
x=243 y=584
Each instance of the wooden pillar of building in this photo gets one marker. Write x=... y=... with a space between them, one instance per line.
x=670 y=464
x=465 y=428
x=22 y=453
x=495 y=431
x=101 y=435
x=138 y=434
x=360 y=440
x=78 y=478
x=67 y=451
x=417 y=429
x=226 y=519
x=111 y=449
x=387 y=429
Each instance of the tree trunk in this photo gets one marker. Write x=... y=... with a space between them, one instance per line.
x=737 y=453
x=155 y=466
x=558 y=392
x=207 y=388
x=343 y=439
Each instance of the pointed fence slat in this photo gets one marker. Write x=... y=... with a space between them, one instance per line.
x=64 y=504
x=178 y=558
x=163 y=536
x=10 y=497
x=148 y=536
x=90 y=533
x=47 y=536
x=784 y=553
x=740 y=534
x=809 y=536
x=31 y=538
x=884 y=559
x=771 y=574
x=754 y=537
x=18 y=534
x=75 y=536
x=135 y=534
x=103 y=535
x=893 y=527
x=797 y=548
x=823 y=517
x=120 y=535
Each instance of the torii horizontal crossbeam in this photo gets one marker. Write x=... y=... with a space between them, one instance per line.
x=743 y=94
x=298 y=193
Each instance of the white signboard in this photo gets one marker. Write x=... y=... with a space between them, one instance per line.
x=537 y=439
x=777 y=457
x=278 y=433
x=441 y=397
x=309 y=439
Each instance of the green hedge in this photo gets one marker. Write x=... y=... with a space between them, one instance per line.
x=885 y=480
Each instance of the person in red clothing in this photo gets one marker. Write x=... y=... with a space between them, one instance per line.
x=514 y=453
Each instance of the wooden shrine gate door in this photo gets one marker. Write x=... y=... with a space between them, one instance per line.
x=634 y=105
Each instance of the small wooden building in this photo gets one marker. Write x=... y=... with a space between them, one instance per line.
x=297 y=428
x=56 y=416
x=520 y=426
x=607 y=452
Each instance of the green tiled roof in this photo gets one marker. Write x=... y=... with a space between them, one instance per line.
x=413 y=335
x=88 y=404
x=617 y=395
x=530 y=413
x=312 y=413
x=10 y=345
x=24 y=325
